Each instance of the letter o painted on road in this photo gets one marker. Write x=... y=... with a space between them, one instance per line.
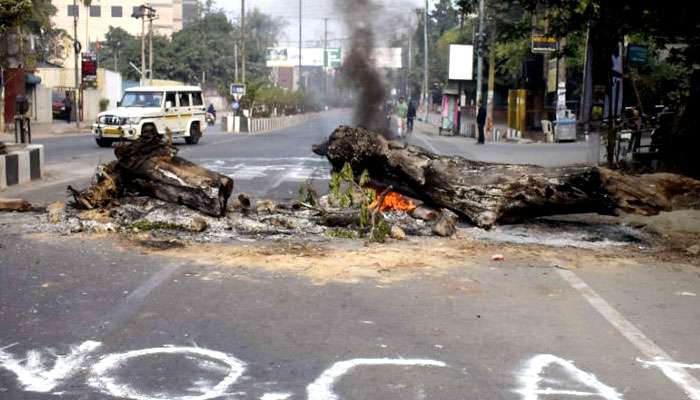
x=102 y=380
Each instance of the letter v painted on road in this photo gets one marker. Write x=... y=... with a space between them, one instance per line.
x=33 y=373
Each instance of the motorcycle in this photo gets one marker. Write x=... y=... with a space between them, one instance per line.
x=210 y=118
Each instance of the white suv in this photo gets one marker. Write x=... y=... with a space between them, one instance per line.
x=179 y=109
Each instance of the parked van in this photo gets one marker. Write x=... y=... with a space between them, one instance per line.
x=177 y=109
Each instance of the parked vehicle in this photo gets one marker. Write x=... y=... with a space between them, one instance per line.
x=177 y=110
x=58 y=107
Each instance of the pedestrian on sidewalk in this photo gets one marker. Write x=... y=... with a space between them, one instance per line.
x=401 y=114
x=410 y=116
x=480 y=122
x=68 y=107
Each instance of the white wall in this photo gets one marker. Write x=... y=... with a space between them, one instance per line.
x=41 y=104
x=112 y=87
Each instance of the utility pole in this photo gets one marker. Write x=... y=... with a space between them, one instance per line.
x=300 y=44
x=151 y=16
x=479 y=51
x=426 y=96
x=410 y=62
x=325 y=55
x=489 y=94
x=143 y=46
x=235 y=62
x=587 y=97
x=243 y=41
x=76 y=52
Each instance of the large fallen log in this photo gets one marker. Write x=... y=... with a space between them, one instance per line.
x=488 y=193
x=151 y=167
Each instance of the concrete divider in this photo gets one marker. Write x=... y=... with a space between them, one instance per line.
x=21 y=164
x=260 y=125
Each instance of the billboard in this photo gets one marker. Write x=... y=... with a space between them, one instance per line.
x=544 y=44
x=310 y=57
x=89 y=68
x=387 y=57
x=461 y=65
x=382 y=57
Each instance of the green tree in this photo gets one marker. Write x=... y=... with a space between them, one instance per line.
x=24 y=17
x=610 y=21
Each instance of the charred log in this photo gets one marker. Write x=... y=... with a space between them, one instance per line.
x=151 y=167
x=488 y=193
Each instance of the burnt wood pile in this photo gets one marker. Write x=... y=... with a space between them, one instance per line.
x=149 y=166
x=488 y=193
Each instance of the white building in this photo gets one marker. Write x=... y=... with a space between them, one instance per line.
x=94 y=22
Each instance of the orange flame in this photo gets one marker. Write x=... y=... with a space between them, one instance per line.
x=394 y=201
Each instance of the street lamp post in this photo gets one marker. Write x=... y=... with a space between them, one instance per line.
x=143 y=12
x=76 y=53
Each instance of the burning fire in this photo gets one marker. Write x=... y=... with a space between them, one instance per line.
x=393 y=201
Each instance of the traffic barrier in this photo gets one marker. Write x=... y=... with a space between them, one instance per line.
x=261 y=125
x=21 y=164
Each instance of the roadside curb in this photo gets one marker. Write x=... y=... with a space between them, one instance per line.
x=262 y=125
x=21 y=164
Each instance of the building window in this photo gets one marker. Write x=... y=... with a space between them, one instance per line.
x=116 y=11
x=95 y=11
x=73 y=11
x=136 y=13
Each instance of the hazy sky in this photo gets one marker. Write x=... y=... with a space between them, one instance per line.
x=313 y=13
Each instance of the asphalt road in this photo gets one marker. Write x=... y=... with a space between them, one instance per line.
x=266 y=165
x=86 y=318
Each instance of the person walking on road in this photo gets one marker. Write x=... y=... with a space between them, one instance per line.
x=410 y=116
x=401 y=114
x=480 y=122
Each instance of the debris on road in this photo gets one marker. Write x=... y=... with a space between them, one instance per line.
x=397 y=233
x=498 y=257
x=150 y=166
x=486 y=194
x=18 y=205
x=446 y=224
x=55 y=212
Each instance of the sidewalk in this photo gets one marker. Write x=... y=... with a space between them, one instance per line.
x=542 y=154
x=54 y=129
x=468 y=124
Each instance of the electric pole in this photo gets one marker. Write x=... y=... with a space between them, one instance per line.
x=325 y=55
x=426 y=95
x=410 y=57
x=151 y=16
x=235 y=62
x=243 y=41
x=300 y=44
x=480 y=53
x=76 y=52
x=143 y=46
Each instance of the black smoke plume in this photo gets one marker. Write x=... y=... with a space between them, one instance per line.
x=358 y=66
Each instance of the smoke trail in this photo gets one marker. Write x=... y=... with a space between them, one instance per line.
x=368 y=81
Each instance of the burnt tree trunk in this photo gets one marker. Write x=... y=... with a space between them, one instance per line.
x=150 y=167
x=488 y=193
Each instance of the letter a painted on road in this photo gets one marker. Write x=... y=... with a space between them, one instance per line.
x=532 y=381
